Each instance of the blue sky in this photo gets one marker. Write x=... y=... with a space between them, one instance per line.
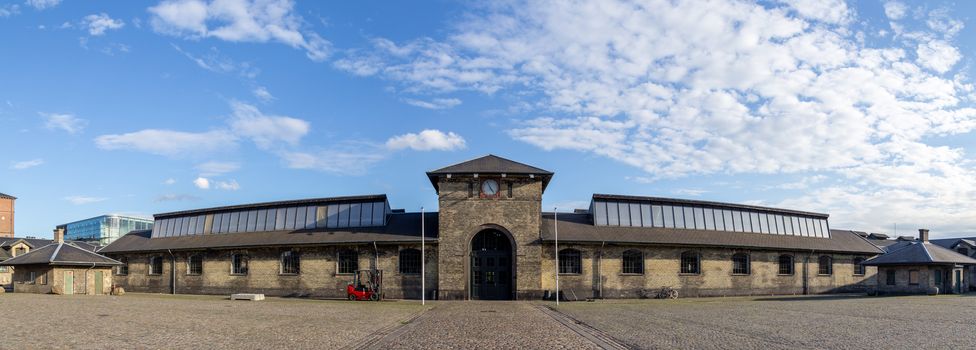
x=861 y=110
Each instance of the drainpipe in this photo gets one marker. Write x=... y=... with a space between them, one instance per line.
x=172 y=271
x=599 y=266
x=376 y=256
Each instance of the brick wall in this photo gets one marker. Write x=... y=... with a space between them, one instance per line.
x=602 y=267
x=461 y=218
x=6 y=217
x=318 y=276
x=926 y=280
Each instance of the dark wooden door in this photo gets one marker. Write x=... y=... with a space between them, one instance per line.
x=491 y=266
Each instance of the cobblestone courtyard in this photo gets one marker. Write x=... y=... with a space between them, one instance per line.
x=162 y=321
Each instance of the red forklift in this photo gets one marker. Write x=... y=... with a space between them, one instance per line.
x=366 y=285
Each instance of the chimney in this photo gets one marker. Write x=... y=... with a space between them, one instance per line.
x=59 y=235
x=923 y=235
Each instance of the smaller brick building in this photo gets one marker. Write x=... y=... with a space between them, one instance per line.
x=921 y=267
x=61 y=268
x=7 y=215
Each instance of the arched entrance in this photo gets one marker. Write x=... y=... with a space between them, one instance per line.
x=491 y=266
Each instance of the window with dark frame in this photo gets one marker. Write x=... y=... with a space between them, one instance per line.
x=890 y=277
x=740 y=264
x=570 y=262
x=913 y=277
x=238 y=264
x=123 y=269
x=858 y=268
x=156 y=265
x=291 y=263
x=785 y=264
x=509 y=189
x=348 y=261
x=44 y=278
x=194 y=265
x=410 y=261
x=825 y=265
x=690 y=263
x=633 y=262
x=32 y=277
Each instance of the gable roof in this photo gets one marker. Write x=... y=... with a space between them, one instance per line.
x=952 y=243
x=6 y=196
x=579 y=228
x=61 y=254
x=40 y=242
x=491 y=164
x=920 y=253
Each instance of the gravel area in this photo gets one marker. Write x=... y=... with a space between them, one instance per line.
x=832 y=322
x=153 y=321
x=485 y=325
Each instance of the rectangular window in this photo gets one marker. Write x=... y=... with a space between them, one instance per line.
x=280 y=215
x=754 y=219
x=355 y=214
x=623 y=210
x=679 y=217
x=333 y=218
x=510 y=189
x=913 y=277
x=201 y=224
x=300 y=218
x=668 y=216
x=657 y=216
x=216 y=223
x=225 y=223
x=700 y=218
x=261 y=219
x=156 y=265
x=613 y=216
x=635 y=215
x=343 y=215
x=779 y=224
x=193 y=226
x=816 y=228
x=719 y=220
x=773 y=227
x=763 y=223
x=348 y=262
x=367 y=215
x=632 y=262
x=379 y=213
x=321 y=216
x=290 y=214
x=737 y=221
x=709 y=217
x=729 y=222
x=251 y=221
x=690 y=217
x=31 y=277
x=740 y=264
x=235 y=222
x=238 y=264
x=310 y=217
x=787 y=225
x=600 y=213
x=194 y=265
x=890 y=277
x=746 y=222
x=645 y=214
x=290 y=263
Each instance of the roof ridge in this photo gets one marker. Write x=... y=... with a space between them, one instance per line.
x=926 y=250
x=55 y=254
x=94 y=253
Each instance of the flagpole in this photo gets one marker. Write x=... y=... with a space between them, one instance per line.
x=555 y=225
x=423 y=258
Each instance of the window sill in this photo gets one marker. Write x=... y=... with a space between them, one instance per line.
x=570 y=274
x=858 y=275
x=741 y=274
x=194 y=274
x=785 y=274
x=345 y=274
x=410 y=274
x=155 y=274
x=631 y=274
x=824 y=275
x=689 y=274
x=288 y=274
x=122 y=274
x=239 y=274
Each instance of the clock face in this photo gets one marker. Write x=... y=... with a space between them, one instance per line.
x=489 y=187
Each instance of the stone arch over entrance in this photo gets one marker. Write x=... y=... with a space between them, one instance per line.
x=491 y=272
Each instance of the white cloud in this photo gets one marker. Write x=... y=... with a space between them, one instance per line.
x=27 y=164
x=239 y=21
x=202 y=183
x=169 y=181
x=98 y=24
x=938 y=55
x=340 y=160
x=427 y=140
x=43 y=4
x=217 y=62
x=691 y=192
x=678 y=89
x=214 y=168
x=437 y=103
x=266 y=130
x=895 y=10
x=66 y=122
x=231 y=185
x=81 y=200
x=830 y=11
x=941 y=21
x=802 y=184
x=263 y=94
x=7 y=10
x=169 y=142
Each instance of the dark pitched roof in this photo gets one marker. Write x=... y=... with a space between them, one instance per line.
x=364 y=198
x=59 y=254
x=5 y=254
x=951 y=243
x=578 y=228
x=6 y=196
x=617 y=197
x=40 y=242
x=399 y=228
x=491 y=164
x=920 y=253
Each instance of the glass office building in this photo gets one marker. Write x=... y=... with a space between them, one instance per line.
x=104 y=229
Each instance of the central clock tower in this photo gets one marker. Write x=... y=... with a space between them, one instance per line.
x=489 y=217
